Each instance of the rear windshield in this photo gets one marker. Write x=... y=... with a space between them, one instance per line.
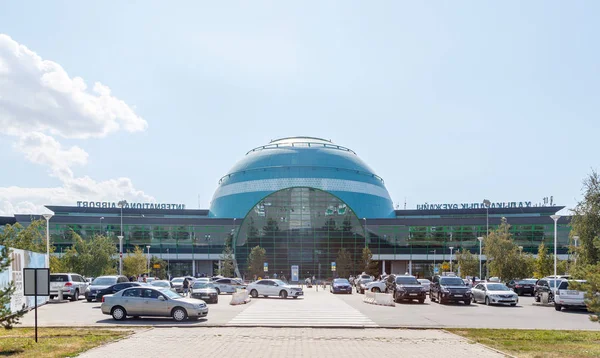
x=527 y=282
x=452 y=281
x=407 y=280
x=341 y=281
x=59 y=278
x=104 y=281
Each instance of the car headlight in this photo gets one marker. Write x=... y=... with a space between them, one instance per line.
x=468 y=291
x=445 y=290
x=400 y=288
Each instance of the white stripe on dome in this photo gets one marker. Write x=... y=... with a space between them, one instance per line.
x=325 y=184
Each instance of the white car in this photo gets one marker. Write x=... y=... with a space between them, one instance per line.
x=227 y=285
x=426 y=283
x=273 y=288
x=494 y=293
x=569 y=298
x=376 y=286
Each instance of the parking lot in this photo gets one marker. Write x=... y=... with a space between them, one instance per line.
x=323 y=309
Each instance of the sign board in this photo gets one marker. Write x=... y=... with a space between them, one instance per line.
x=36 y=282
x=156 y=266
x=266 y=267
x=295 y=273
x=333 y=267
x=436 y=270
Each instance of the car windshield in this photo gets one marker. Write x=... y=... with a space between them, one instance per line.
x=451 y=281
x=527 y=282
x=552 y=283
x=104 y=281
x=160 y=284
x=565 y=284
x=177 y=280
x=341 y=281
x=203 y=285
x=169 y=293
x=403 y=280
x=497 y=287
x=366 y=280
x=424 y=280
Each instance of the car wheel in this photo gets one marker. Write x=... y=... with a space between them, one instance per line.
x=254 y=293
x=89 y=300
x=557 y=307
x=118 y=313
x=536 y=298
x=75 y=296
x=439 y=298
x=467 y=302
x=375 y=289
x=513 y=304
x=218 y=291
x=52 y=297
x=421 y=300
x=487 y=301
x=179 y=314
x=431 y=297
x=283 y=294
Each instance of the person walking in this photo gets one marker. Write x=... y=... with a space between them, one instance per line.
x=186 y=286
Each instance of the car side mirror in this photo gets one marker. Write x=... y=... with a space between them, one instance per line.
x=276 y=284
x=161 y=298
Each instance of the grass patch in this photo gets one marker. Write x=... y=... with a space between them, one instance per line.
x=54 y=342
x=536 y=343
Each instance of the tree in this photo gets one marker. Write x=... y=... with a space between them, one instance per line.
x=544 y=263
x=344 y=263
x=370 y=267
x=32 y=237
x=93 y=257
x=160 y=272
x=7 y=317
x=256 y=261
x=135 y=262
x=468 y=263
x=585 y=222
x=504 y=257
x=227 y=268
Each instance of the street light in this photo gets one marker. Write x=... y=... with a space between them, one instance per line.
x=480 y=240
x=207 y=239
x=487 y=204
x=102 y=218
x=555 y=218
x=433 y=260
x=451 y=248
x=121 y=204
x=47 y=217
x=575 y=238
x=148 y=247
x=168 y=264
x=365 y=220
x=120 y=237
x=520 y=250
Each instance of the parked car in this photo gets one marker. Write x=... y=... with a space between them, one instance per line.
x=71 y=284
x=426 y=283
x=205 y=291
x=101 y=283
x=272 y=287
x=521 y=287
x=494 y=293
x=449 y=289
x=361 y=286
x=361 y=277
x=178 y=283
x=152 y=301
x=163 y=284
x=340 y=285
x=376 y=286
x=569 y=298
x=405 y=287
x=545 y=284
x=115 y=288
x=228 y=285
x=203 y=279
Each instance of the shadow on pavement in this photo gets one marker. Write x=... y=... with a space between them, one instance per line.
x=152 y=321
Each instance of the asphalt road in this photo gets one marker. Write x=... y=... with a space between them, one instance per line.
x=323 y=309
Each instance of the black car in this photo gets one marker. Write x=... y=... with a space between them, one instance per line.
x=114 y=289
x=545 y=284
x=522 y=287
x=405 y=287
x=449 y=289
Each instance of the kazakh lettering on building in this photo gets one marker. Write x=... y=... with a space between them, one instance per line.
x=108 y=204
x=502 y=205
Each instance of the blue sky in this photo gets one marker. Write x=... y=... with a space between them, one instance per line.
x=449 y=102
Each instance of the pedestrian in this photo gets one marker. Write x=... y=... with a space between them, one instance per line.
x=186 y=286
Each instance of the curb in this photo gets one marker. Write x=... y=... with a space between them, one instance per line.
x=481 y=345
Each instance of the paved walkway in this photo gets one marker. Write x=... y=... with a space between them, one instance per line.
x=291 y=342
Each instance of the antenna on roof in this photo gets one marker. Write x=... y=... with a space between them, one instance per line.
x=404 y=203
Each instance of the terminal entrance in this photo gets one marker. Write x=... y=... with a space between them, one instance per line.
x=304 y=227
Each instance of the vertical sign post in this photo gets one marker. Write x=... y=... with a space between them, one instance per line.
x=266 y=267
x=36 y=282
x=295 y=270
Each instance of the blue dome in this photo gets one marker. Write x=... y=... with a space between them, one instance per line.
x=301 y=162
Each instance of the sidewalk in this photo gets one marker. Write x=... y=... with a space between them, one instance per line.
x=292 y=342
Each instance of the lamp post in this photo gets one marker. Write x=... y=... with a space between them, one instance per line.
x=47 y=217
x=575 y=238
x=451 y=248
x=120 y=237
x=365 y=221
x=148 y=247
x=487 y=204
x=520 y=250
x=207 y=239
x=555 y=218
x=121 y=204
x=102 y=218
x=433 y=260
x=480 y=240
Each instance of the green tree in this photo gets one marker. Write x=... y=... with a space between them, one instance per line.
x=160 y=272
x=227 y=268
x=468 y=263
x=57 y=264
x=135 y=262
x=503 y=255
x=256 y=260
x=7 y=317
x=92 y=257
x=344 y=263
x=544 y=263
x=32 y=237
x=585 y=222
x=370 y=267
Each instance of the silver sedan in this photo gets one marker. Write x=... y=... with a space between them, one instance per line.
x=152 y=301
x=494 y=293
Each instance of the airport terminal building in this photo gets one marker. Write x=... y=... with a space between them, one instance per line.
x=302 y=199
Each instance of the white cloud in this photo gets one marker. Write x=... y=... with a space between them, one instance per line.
x=38 y=95
x=39 y=101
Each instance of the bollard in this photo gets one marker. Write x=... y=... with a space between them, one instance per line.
x=545 y=298
x=60 y=295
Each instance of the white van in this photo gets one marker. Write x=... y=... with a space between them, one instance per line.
x=569 y=298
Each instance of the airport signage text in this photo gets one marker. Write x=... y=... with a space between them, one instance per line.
x=503 y=205
x=108 y=204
